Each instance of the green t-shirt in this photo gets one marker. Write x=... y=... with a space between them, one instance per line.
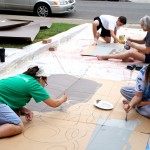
x=16 y=91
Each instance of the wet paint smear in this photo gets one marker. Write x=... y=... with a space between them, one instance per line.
x=112 y=135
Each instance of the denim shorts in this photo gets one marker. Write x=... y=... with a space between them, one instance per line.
x=7 y=115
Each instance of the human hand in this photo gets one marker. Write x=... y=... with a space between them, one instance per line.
x=127 y=38
x=115 y=41
x=121 y=42
x=126 y=106
x=28 y=115
x=64 y=97
x=129 y=43
x=95 y=43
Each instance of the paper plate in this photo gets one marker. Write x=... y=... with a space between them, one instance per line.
x=103 y=105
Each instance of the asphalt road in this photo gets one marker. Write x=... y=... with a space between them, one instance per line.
x=88 y=9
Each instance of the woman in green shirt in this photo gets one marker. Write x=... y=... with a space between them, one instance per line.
x=16 y=92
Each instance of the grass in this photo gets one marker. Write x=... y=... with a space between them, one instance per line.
x=56 y=28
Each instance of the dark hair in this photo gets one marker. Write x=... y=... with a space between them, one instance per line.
x=32 y=71
x=147 y=74
x=122 y=19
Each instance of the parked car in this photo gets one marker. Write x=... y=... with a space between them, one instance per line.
x=40 y=7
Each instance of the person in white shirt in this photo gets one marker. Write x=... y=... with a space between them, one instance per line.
x=108 y=25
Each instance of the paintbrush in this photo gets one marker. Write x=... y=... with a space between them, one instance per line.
x=61 y=107
x=126 y=119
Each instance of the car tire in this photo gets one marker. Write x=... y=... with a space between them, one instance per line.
x=42 y=10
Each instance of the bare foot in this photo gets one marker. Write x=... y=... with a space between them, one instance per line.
x=128 y=60
x=102 y=57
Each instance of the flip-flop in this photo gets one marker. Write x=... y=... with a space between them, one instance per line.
x=131 y=66
x=139 y=67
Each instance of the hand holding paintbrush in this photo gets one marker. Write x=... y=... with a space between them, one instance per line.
x=127 y=108
x=126 y=119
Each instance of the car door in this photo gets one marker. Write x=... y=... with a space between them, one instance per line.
x=23 y=5
x=1 y=4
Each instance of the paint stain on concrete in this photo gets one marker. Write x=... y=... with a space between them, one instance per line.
x=112 y=134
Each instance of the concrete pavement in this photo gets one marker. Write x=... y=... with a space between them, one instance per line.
x=81 y=126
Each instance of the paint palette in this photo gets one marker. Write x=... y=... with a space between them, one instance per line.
x=103 y=105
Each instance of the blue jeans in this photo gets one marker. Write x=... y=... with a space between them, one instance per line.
x=7 y=115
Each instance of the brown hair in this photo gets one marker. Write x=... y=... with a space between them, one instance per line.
x=32 y=71
x=147 y=74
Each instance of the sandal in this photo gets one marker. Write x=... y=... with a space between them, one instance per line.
x=139 y=67
x=131 y=66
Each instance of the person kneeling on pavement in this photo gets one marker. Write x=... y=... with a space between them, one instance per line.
x=16 y=92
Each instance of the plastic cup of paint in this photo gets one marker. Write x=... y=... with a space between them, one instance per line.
x=121 y=37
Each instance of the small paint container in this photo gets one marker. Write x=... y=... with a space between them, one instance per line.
x=126 y=46
x=121 y=37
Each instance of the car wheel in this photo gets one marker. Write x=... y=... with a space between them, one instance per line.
x=42 y=10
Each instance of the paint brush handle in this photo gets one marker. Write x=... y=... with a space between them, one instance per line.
x=126 y=117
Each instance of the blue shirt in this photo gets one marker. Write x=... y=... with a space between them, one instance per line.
x=141 y=86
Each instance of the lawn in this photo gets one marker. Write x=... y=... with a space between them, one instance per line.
x=56 y=28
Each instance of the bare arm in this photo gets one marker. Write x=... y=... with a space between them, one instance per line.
x=135 y=100
x=136 y=40
x=113 y=34
x=55 y=102
x=142 y=49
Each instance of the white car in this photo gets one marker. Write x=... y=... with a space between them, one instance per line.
x=40 y=7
